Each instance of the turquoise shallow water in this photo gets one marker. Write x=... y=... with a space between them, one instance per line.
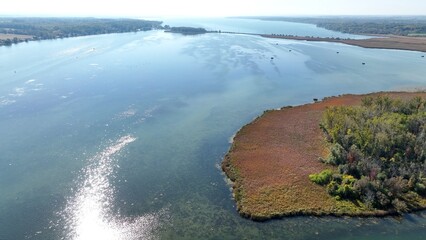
x=120 y=136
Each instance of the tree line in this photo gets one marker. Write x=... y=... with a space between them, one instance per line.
x=51 y=28
x=185 y=30
x=403 y=26
x=379 y=149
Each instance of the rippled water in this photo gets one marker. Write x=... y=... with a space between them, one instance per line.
x=88 y=215
x=120 y=136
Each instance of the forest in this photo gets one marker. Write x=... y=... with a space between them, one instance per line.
x=378 y=151
x=402 y=26
x=51 y=28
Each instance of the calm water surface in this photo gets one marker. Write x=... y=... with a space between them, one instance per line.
x=120 y=136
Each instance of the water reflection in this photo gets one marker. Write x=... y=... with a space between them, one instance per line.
x=88 y=213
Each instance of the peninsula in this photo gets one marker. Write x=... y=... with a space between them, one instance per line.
x=275 y=168
x=379 y=41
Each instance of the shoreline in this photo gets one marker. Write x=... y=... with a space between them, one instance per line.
x=272 y=156
x=391 y=42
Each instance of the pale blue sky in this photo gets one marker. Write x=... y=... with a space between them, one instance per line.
x=199 y=8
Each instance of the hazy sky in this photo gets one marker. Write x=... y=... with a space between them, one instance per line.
x=197 y=8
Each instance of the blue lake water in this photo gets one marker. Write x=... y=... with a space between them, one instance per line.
x=120 y=136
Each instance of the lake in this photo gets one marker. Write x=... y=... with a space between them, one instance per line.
x=121 y=136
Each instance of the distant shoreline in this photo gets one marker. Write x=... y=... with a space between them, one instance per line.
x=32 y=29
x=17 y=30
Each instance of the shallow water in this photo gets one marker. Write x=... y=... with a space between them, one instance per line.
x=120 y=136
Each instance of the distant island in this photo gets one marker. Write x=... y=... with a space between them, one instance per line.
x=352 y=155
x=185 y=30
x=15 y=30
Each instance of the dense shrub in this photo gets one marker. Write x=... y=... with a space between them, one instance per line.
x=379 y=149
x=321 y=178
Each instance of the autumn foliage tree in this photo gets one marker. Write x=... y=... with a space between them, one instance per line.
x=379 y=149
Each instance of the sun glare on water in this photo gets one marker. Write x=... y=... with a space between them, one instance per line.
x=88 y=212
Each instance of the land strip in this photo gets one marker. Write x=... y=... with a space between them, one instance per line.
x=382 y=41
